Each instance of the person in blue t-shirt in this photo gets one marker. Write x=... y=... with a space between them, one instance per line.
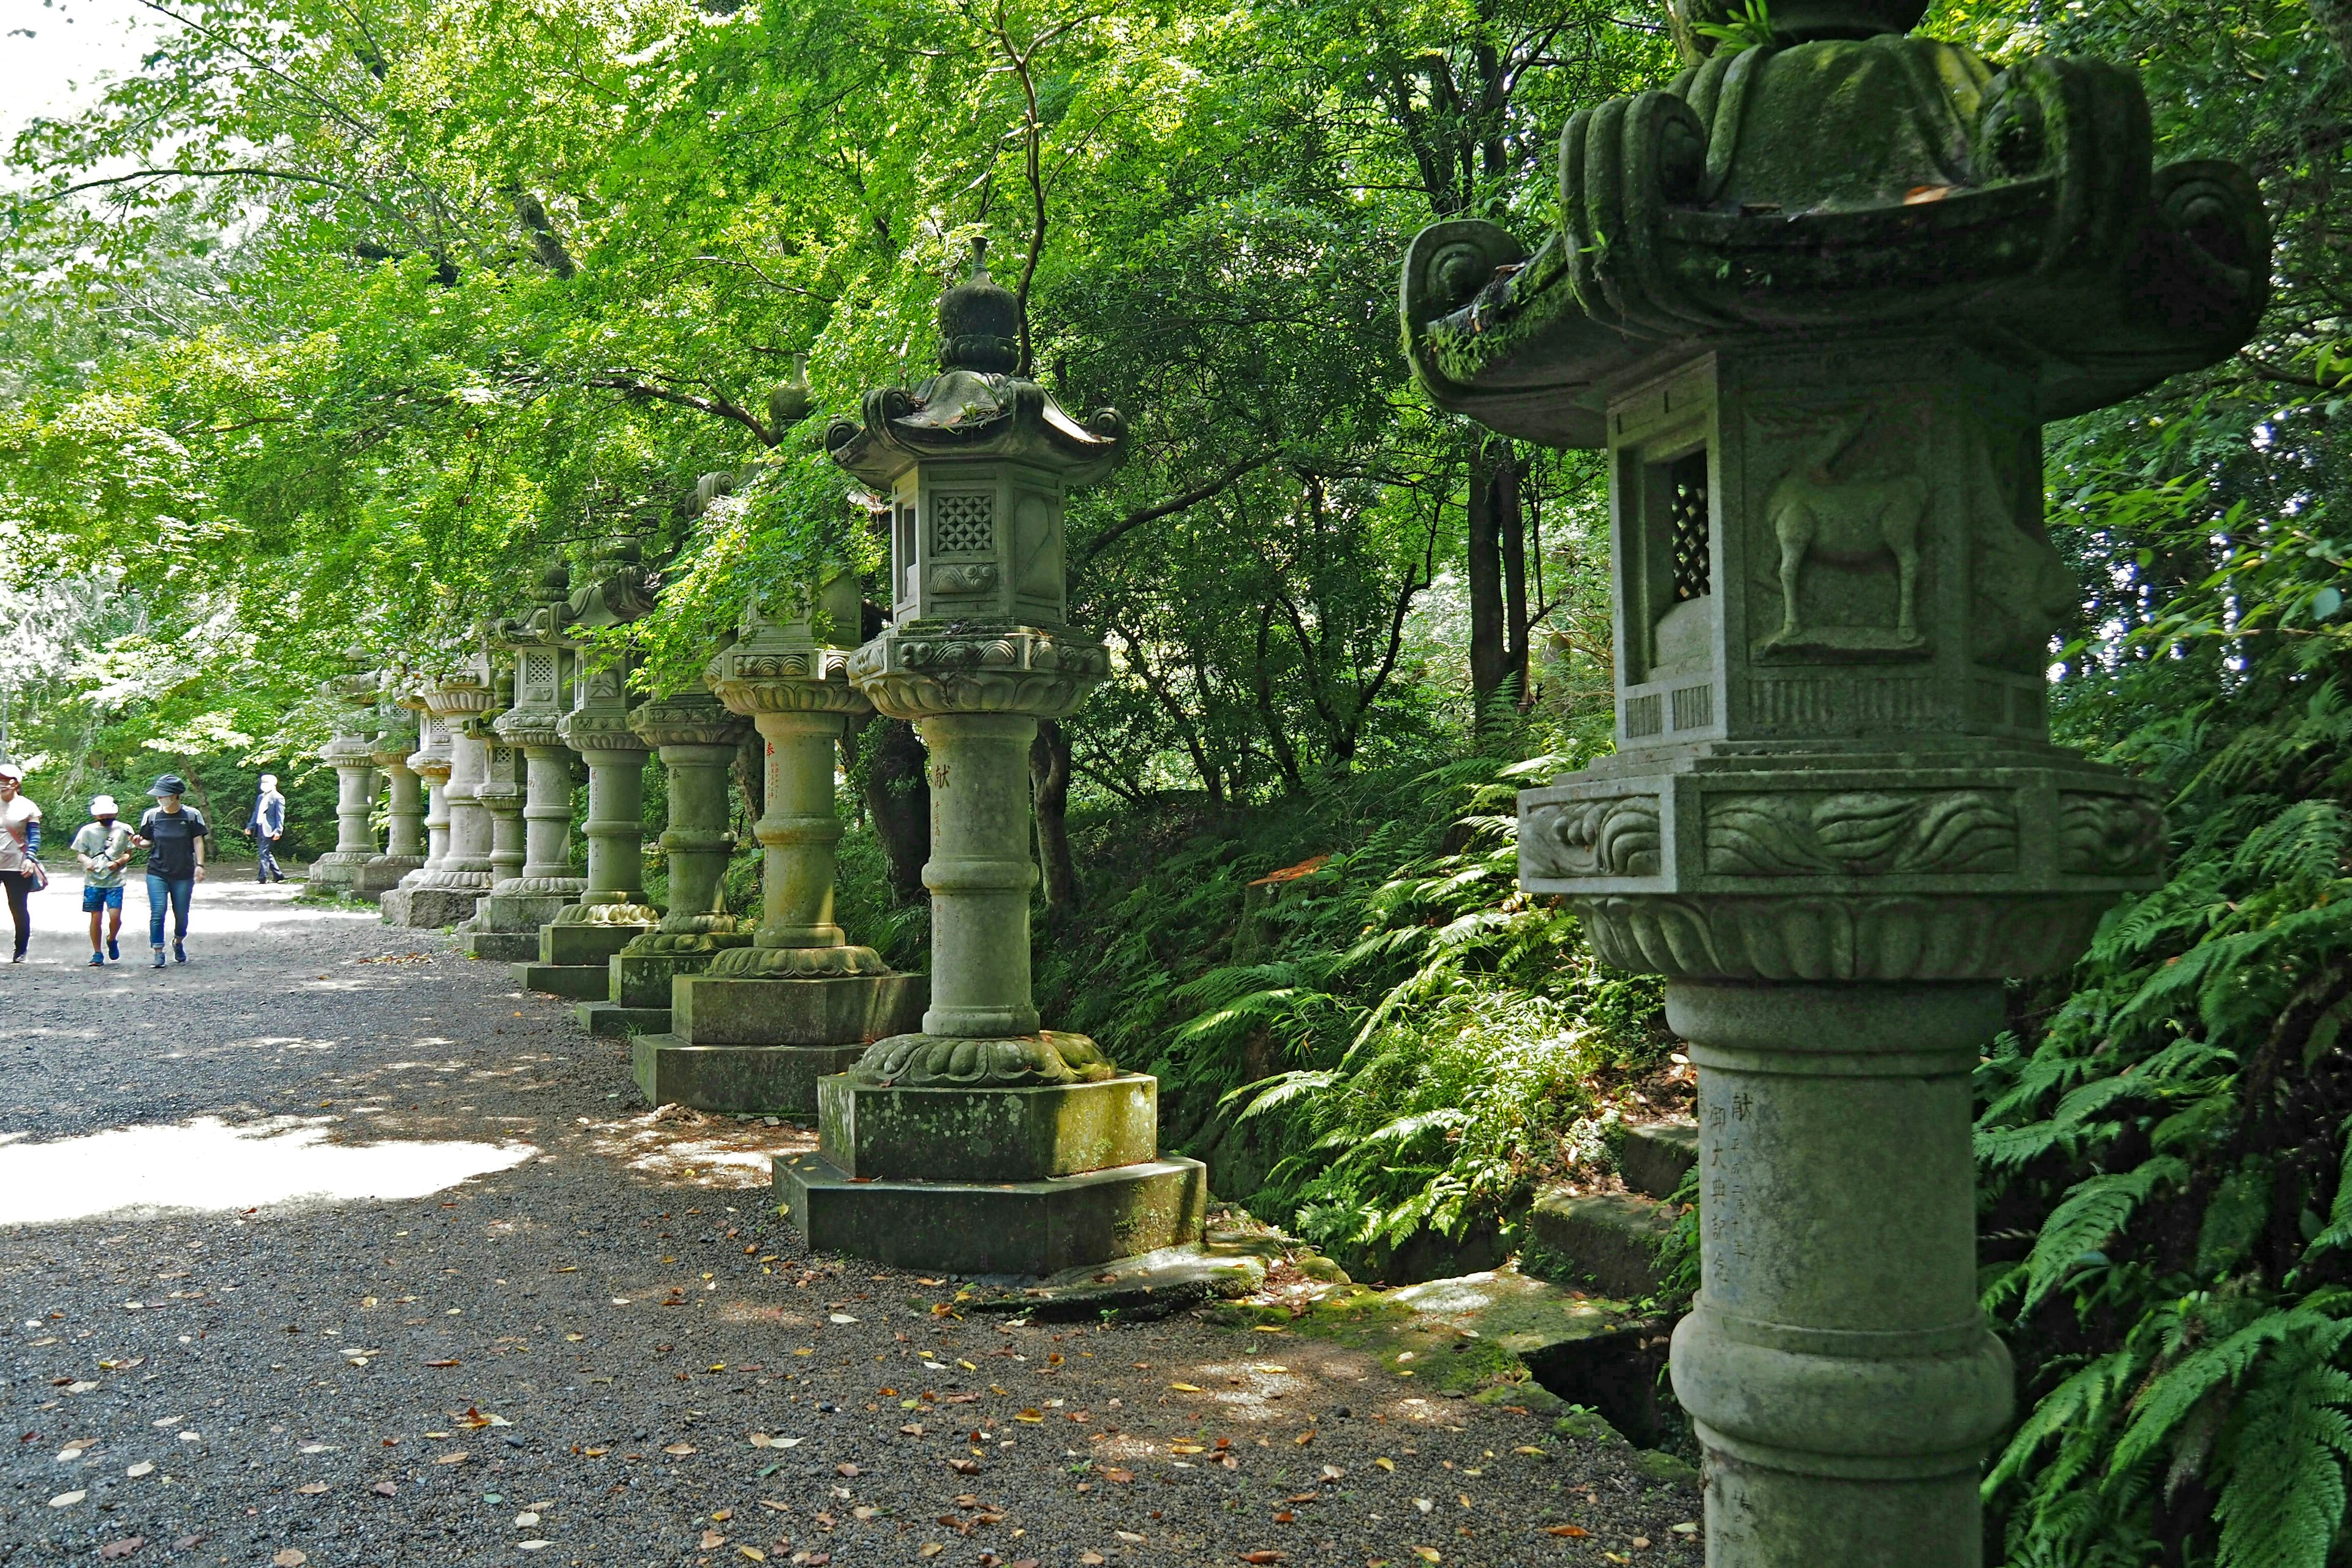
x=174 y=835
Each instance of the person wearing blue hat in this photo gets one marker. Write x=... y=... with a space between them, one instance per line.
x=174 y=835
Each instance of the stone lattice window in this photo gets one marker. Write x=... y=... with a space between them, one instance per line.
x=1686 y=515
x=539 y=671
x=964 y=523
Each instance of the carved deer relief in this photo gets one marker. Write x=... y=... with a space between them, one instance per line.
x=1816 y=513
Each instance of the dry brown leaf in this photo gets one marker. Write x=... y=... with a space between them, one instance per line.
x=964 y=1467
x=454 y=1457
x=440 y=1363
x=291 y=1557
x=130 y=1543
x=1265 y=1557
x=383 y=1488
x=1567 y=1531
x=1118 y=1475
x=316 y=1489
x=712 y=1540
x=929 y=1549
x=1185 y=1387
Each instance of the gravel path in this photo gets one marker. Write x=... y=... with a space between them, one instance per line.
x=332 y=1247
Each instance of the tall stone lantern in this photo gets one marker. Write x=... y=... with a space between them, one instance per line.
x=1816 y=299
x=577 y=945
x=403 y=845
x=982 y=1142
x=506 y=924
x=758 y=1027
x=430 y=763
x=351 y=752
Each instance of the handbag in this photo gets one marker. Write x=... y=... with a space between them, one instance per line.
x=37 y=873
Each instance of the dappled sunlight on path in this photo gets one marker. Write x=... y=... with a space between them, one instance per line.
x=207 y=1166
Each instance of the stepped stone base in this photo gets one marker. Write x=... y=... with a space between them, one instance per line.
x=584 y=943
x=523 y=912
x=607 y=1019
x=714 y=1010
x=1014 y=1227
x=643 y=979
x=868 y=1131
x=774 y=1080
x=505 y=946
x=383 y=874
x=429 y=907
x=582 y=981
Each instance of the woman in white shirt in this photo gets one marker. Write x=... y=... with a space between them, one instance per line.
x=20 y=845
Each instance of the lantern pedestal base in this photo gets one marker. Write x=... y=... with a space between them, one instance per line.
x=761 y=1045
x=1017 y=1179
x=770 y=1080
x=428 y=908
x=1011 y=1227
x=382 y=873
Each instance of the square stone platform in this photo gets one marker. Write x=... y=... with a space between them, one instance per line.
x=871 y=1132
x=561 y=942
x=428 y=908
x=582 y=981
x=718 y=1010
x=606 y=1019
x=772 y=1080
x=1009 y=1227
x=500 y=946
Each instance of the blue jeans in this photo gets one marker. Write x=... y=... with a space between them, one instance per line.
x=178 y=891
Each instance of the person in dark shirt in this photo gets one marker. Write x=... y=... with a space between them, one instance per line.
x=173 y=836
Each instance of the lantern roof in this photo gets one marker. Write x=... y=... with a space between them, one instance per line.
x=980 y=406
x=1859 y=183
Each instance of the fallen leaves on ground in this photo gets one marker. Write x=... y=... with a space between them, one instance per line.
x=291 y=1557
x=123 y=1548
x=1567 y=1532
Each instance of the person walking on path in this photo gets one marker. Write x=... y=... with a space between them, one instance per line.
x=267 y=821
x=175 y=837
x=103 y=848
x=20 y=849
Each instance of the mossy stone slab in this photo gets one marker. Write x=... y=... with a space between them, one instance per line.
x=643 y=979
x=1024 y=1134
x=610 y=1020
x=584 y=943
x=773 y=1080
x=502 y=946
x=1010 y=1227
x=581 y=982
x=717 y=1010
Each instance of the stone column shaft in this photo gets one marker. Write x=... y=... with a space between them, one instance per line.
x=1837 y=1366
x=547 y=811
x=403 y=813
x=354 y=799
x=980 y=874
x=615 y=826
x=799 y=831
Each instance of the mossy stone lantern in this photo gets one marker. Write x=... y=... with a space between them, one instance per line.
x=982 y=1142
x=1816 y=299
x=351 y=752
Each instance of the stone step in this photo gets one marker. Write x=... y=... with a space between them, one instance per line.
x=1604 y=1241
x=777 y=1081
x=502 y=946
x=610 y=1020
x=1654 y=1156
x=1146 y=1288
x=582 y=981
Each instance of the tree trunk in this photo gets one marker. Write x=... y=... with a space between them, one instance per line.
x=898 y=797
x=1484 y=580
x=1049 y=777
x=1511 y=522
x=1278 y=739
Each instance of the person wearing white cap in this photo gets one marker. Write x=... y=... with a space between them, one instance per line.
x=20 y=849
x=266 y=823
x=103 y=848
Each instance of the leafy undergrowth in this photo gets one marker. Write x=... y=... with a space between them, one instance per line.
x=1354 y=1014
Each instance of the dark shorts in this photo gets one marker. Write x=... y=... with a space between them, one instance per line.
x=96 y=898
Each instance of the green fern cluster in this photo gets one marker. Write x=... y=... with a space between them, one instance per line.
x=1409 y=1037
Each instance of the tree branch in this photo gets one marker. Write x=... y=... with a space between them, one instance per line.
x=1172 y=505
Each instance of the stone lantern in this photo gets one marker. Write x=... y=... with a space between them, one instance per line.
x=506 y=925
x=982 y=1142
x=430 y=763
x=758 y=1027
x=403 y=847
x=696 y=740
x=351 y=752
x=1816 y=299
x=455 y=763
x=576 y=947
